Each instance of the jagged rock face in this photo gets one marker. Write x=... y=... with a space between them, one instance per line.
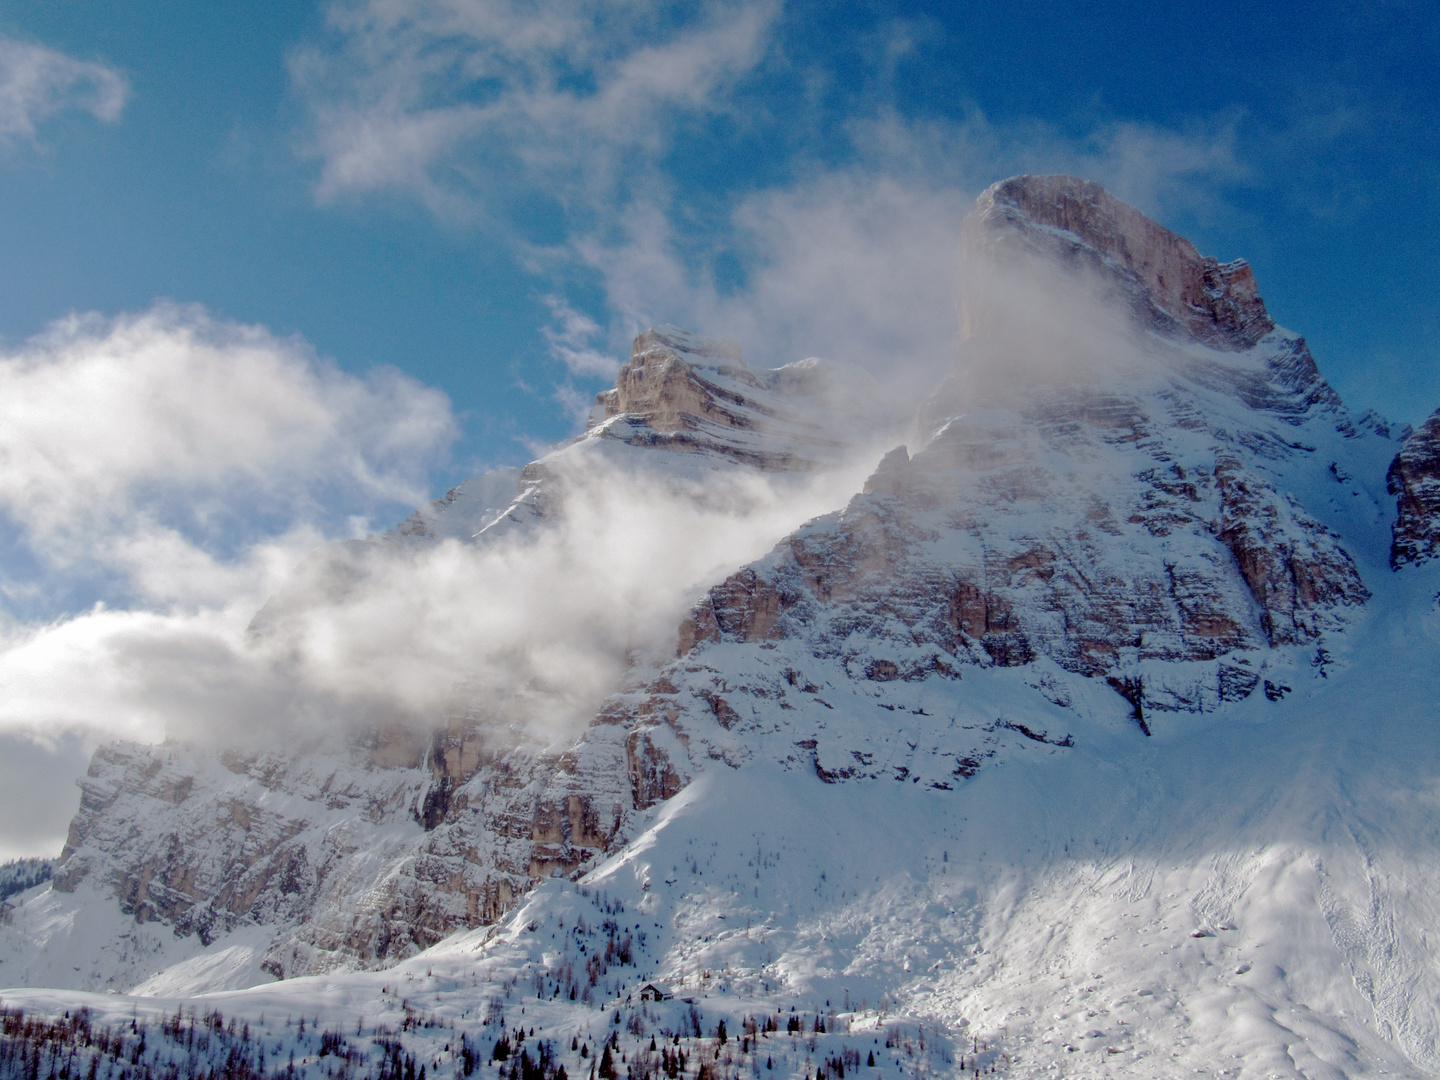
x=1124 y=530
x=661 y=389
x=1078 y=533
x=1414 y=480
x=1170 y=286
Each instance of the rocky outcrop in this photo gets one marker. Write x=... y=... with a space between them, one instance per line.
x=1414 y=480
x=1302 y=578
x=362 y=852
x=1013 y=537
x=665 y=385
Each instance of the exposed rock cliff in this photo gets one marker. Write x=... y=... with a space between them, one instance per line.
x=1128 y=526
x=365 y=852
x=686 y=393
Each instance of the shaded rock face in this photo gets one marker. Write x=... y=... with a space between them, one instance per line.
x=1169 y=285
x=1414 y=480
x=1298 y=572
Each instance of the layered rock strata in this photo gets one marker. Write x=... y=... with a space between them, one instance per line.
x=692 y=394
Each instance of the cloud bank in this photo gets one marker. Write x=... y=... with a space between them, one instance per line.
x=190 y=472
x=160 y=446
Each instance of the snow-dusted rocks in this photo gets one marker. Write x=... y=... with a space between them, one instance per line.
x=1414 y=480
x=1124 y=521
x=356 y=852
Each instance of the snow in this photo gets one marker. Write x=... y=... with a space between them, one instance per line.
x=81 y=938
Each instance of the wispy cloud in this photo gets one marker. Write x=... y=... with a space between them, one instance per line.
x=176 y=469
x=572 y=335
x=463 y=104
x=857 y=262
x=36 y=83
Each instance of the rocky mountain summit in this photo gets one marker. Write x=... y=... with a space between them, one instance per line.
x=686 y=393
x=1168 y=285
x=1134 y=502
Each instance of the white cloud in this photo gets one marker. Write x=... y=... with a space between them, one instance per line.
x=160 y=443
x=539 y=625
x=534 y=627
x=571 y=335
x=36 y=83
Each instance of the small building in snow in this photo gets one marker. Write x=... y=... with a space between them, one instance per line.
x=653 y=991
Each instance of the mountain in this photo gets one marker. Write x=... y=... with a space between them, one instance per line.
x=1089 y=730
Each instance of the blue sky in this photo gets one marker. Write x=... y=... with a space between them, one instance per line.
x=273 y=273
x=1307 y=145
